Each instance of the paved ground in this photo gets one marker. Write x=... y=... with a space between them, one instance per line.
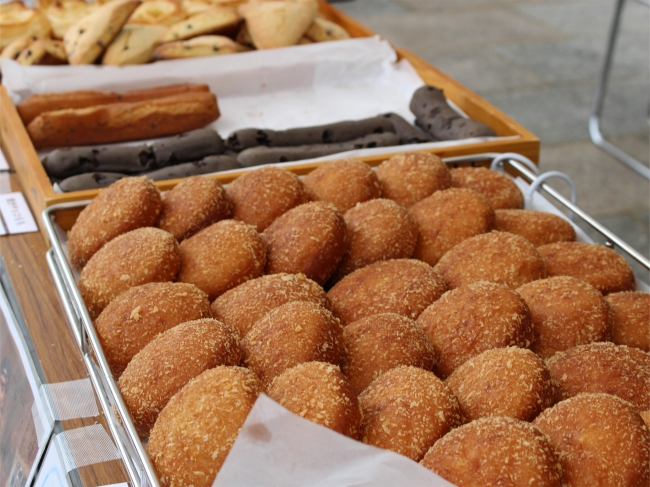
x=539 y=61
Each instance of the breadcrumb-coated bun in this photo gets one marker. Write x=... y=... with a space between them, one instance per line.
x=402 y=286
x=410 y=177
x=221 y=257
x=603 y=367
x=344 y=183
x=499 y=257
x=499 y=189
x=630 y=318
x=139 y=314
x=193 y=204
x=496 y=451
x=469 y=320
x=170 y=361
x=123 y=206
x=538 y=227
x=378 y=343
x=137 y=257
x=595 y=264
x=378 y=229
x=645 y=416
x=308 y=239
x=566 y=312
x=406 y=410
x=242 y=306
x=195 y=431
x=509 y=381
x=448 y=217
x=261 y=196
x=319 y=392
x=289 y=335
x=601 y=440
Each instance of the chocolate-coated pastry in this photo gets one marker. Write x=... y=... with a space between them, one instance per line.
x=70 y=161
x=187 y=147
x=435 y=116
x=90 y=180
x=256 y=156
x=205 y=166
x=408 y=134
x=319 y=134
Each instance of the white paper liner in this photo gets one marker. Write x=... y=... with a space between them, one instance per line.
x=278 y=448
x=70 y=400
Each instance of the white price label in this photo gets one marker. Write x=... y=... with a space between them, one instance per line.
x=16 y=213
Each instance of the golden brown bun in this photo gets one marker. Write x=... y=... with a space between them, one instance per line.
x=170 y=361
x=119 y=122
x=595 y=264
x=319 y=392
x=509 y=381
x=538 y=227
x=603 y=367
x=195 y=431
x=601 y=440
x=402 y=286
x=566 y=312
x=125 y=205
x=134 y=258
x=630 y=319
x=406 y=410
x=498 y=189
x=141 y=313
x=222 y=256
x=241 y=307
x=489 y=450
x=381 y=342
x=469 y=320
x=289 y=335
x=193 y=204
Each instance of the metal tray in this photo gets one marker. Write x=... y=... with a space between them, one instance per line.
x=135 y=459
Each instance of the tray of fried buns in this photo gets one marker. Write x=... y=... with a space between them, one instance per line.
x=369 y=308
x=310 y=85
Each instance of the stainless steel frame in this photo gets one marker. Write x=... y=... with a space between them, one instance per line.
x=135 y=458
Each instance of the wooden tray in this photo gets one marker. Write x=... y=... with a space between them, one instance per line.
x=38 y=190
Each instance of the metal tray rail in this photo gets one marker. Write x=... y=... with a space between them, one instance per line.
x=119 y=421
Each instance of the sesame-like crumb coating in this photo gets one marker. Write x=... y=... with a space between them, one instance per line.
x=137 y=257
x=261 y=196
x=603 y=367
x=378 y=229
x=448 y=217
x=139 y=314
x=402 y=286
x=630 y=318
x=566 y=312
x=645 y=416
x=170 y=361
x=499 y=189
x=195 y=431
x=496 y=257
x=469 y=320
x=344 y=183
x=601 y=439
x=378 y=343
x=319 y=392
x=193 y=204
x=595 y=264
x=538 y=227
x=499 y=451
x=125 y=205
x=407 y=178
x=308 y=239
x=221 y=257
x=242 y=306
x=509 y=381
x=406 y=410
x=289 y=335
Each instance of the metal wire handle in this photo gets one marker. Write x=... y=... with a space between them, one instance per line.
x=499 y=162
x=552 y=174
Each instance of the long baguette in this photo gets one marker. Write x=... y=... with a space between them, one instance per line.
x=119 y=122
x=34 y=105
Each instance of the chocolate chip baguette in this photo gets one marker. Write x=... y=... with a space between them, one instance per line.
x=119 y=122
x=34 y=105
